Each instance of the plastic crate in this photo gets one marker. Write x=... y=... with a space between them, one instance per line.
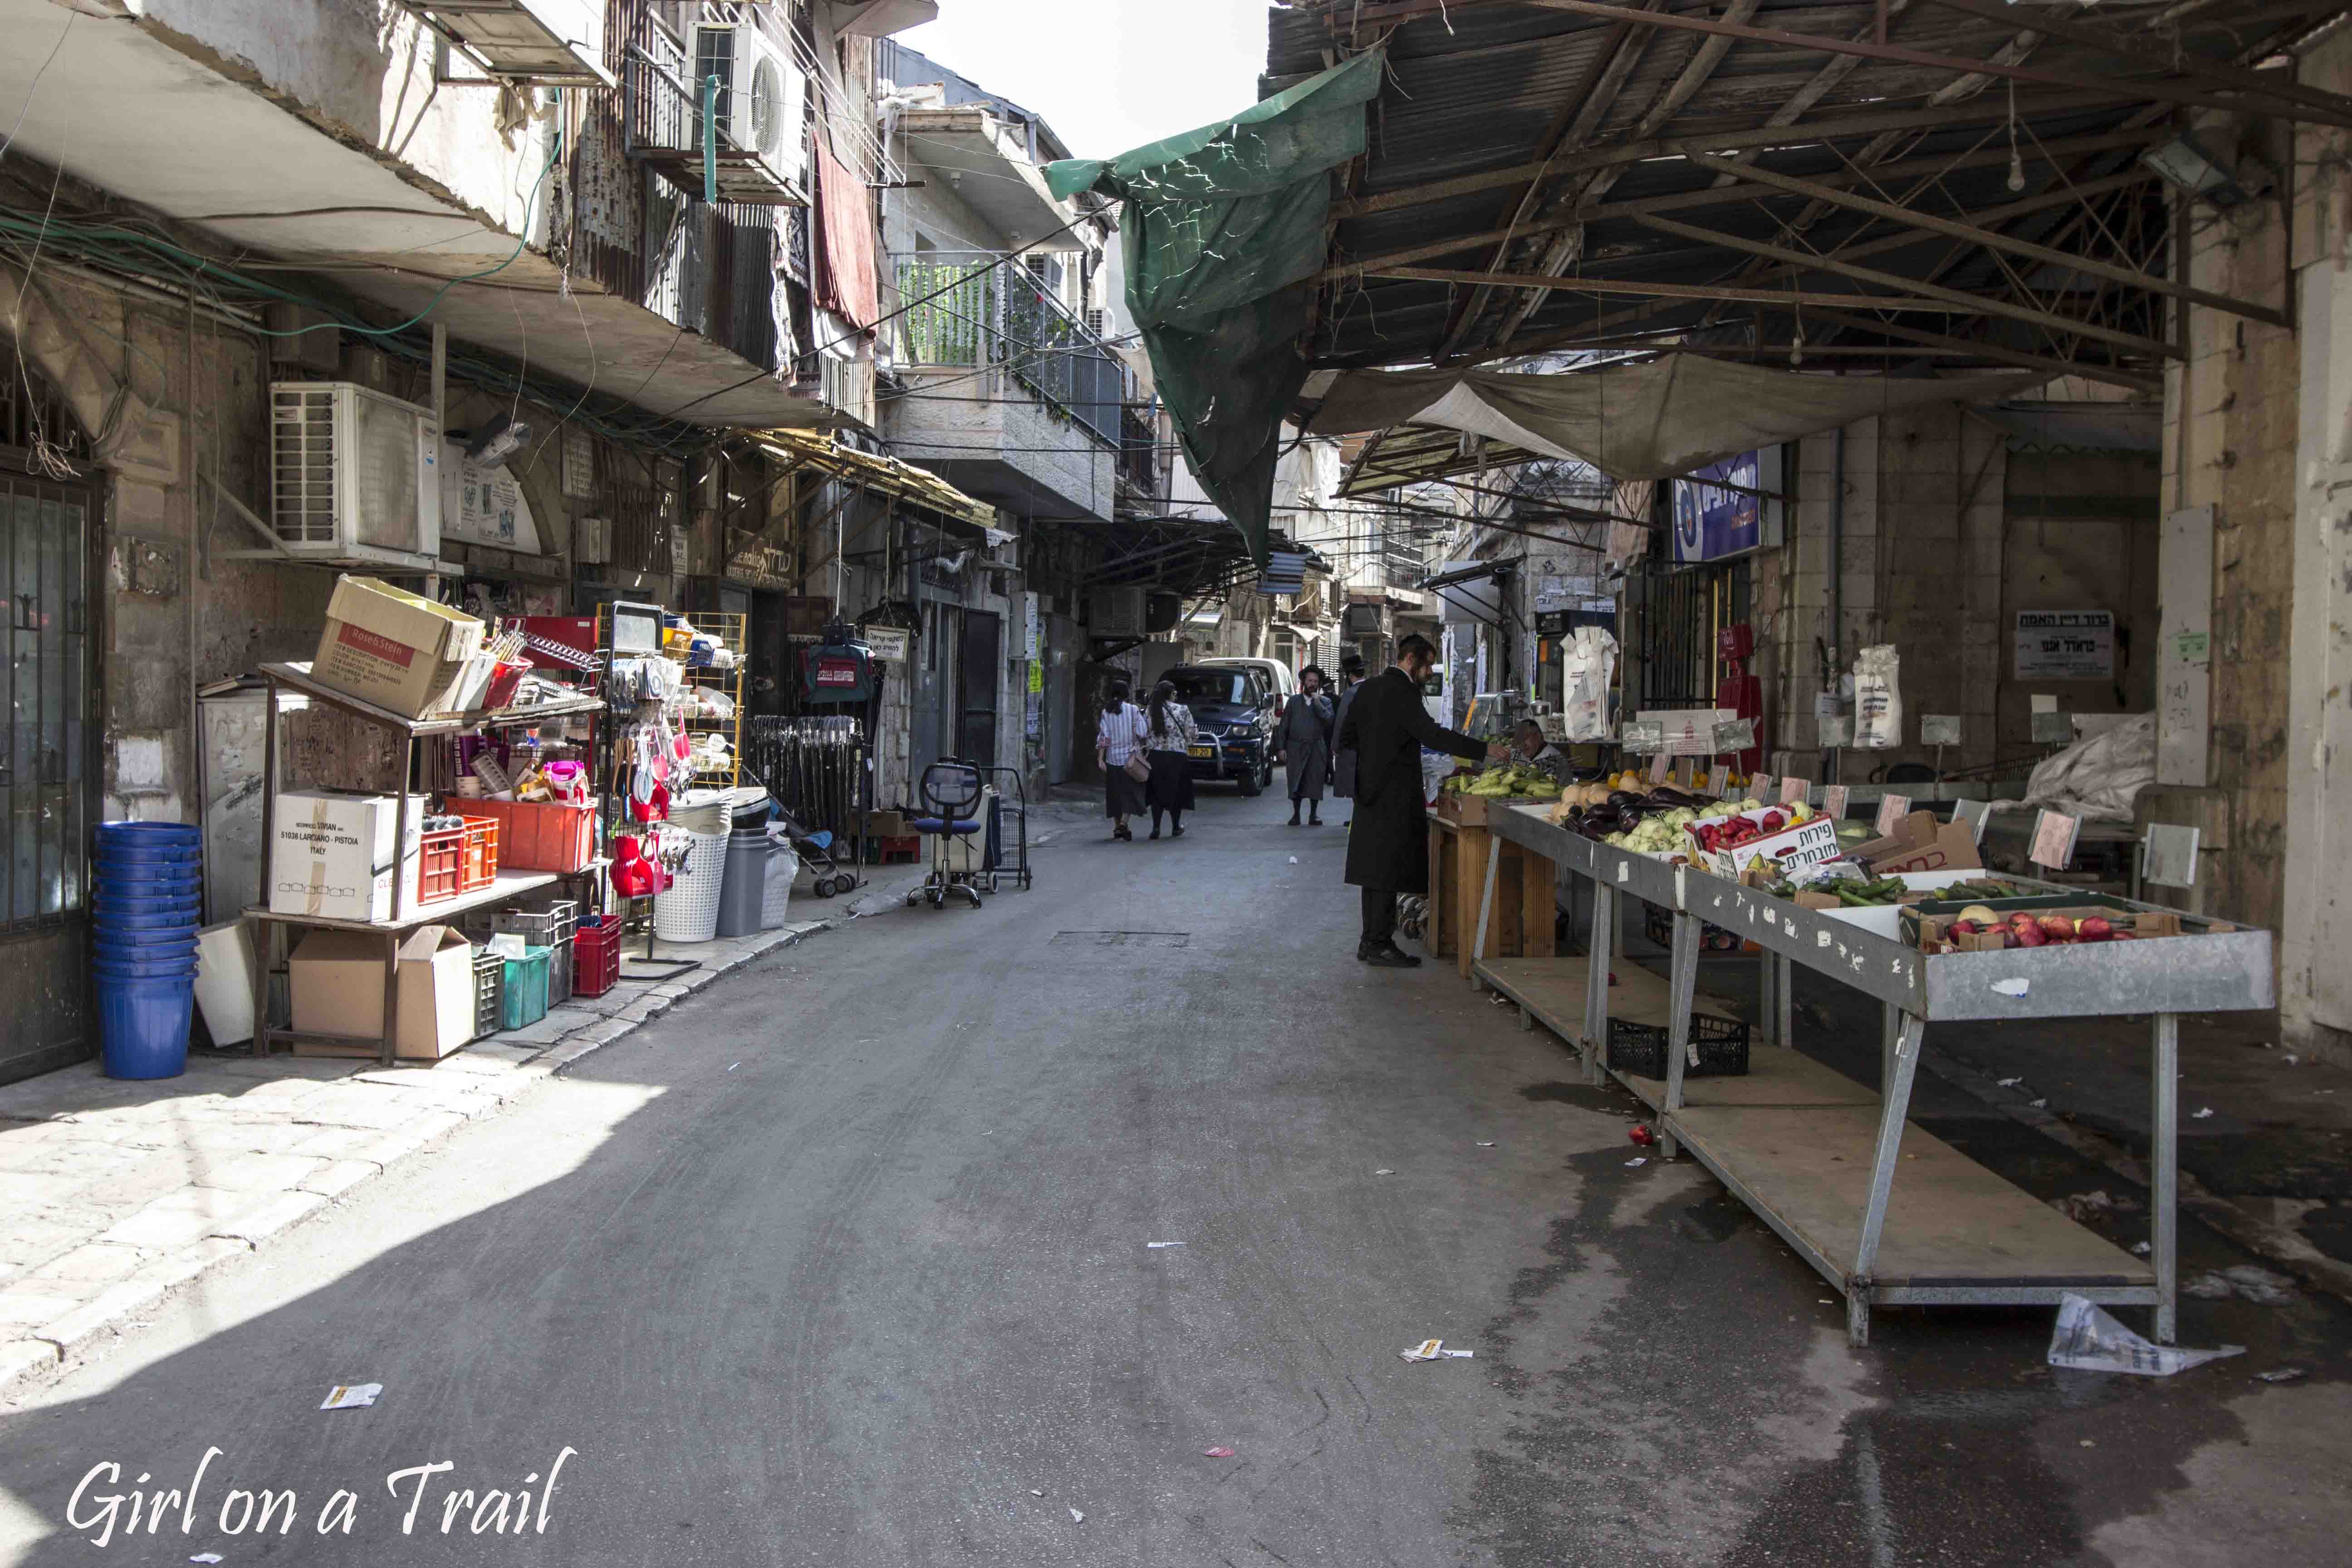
x=524 y=1001
x=536 y=835
x=1658 y=925
x=559 y=973
x=596 y=957
x=489 y=992
x=478 y=868
x=1641 y=1048
x=440 y=865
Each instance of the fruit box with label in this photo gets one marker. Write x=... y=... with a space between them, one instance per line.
x=399 y=650
x=2056 y=920
x=1806 y=843
x=1919 y=842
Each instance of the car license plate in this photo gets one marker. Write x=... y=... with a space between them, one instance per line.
x=1204 y=750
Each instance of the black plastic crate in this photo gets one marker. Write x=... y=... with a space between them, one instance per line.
x=1641 y=1048
x=1658 y=925
x=489 y=991
x=559 y=974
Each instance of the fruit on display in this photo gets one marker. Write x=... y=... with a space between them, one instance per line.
x=1513 y=781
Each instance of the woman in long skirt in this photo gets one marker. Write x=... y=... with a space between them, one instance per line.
x=1169 y=733
x=1119 y=736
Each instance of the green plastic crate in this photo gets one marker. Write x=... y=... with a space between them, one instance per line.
x=523 y=1000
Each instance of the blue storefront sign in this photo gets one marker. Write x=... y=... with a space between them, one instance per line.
x=1712 y=521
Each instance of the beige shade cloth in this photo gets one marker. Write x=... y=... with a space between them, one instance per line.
x=1651 y=420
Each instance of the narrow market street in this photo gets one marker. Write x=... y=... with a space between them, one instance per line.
x=847 y=1260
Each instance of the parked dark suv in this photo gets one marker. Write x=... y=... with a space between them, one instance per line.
x=1234 y=709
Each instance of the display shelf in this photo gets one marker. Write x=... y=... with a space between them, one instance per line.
x=507 y=885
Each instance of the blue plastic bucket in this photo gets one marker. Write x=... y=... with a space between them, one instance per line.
x=143 y=1026
x=147 y=833
x=116 y=963
x=134 y=917
x=138 y=854
x=142 y=943
x=144 y=873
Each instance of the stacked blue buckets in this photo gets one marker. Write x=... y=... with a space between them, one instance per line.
x=147 y=898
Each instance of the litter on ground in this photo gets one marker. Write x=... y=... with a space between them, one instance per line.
x=2200 y=1113
x=2011 y=1082
x=1077 y=1518
x=1156 y=1245
x=2259 y=1286
x=2089 y=1340
x=1383 y=1171
x=351 y=1395
x=1216 y=1453
x=1638 y=1160
x=1434 y=1350
x=2284 y=1375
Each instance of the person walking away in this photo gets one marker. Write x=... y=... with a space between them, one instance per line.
x=1303 y=739
x=1169 y=737
x=1119 y=736
x=1388 y=853
x=1343 y=759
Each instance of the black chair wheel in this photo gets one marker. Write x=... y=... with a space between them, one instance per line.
x=824 y=888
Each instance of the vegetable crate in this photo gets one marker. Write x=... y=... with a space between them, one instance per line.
x=1641 y=1048
x=1658 y=925
x=525 y=999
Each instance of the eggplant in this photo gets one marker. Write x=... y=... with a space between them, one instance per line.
x=1624 y=797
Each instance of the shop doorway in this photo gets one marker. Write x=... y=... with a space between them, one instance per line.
x=978 y=678
x=48 y=772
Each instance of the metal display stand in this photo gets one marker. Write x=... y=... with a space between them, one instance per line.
x=405 y=918
x=1815 y=1154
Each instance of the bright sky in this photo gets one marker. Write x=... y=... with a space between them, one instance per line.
x=1107 y=75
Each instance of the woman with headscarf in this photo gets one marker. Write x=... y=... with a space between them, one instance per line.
x=1169 y=732
x=1118 y=741
x=1303 y=739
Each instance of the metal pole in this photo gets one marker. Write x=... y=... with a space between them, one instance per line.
x=1895 y=1104
x=2165 y=1141
x=710 y=141
x=1683 y=972
x=1485 y=908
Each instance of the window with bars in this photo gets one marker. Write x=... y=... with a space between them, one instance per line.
x=43 y=777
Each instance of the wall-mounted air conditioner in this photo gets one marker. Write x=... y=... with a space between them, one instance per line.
x=1115 y=612
x=353 y=475
x=763 y=110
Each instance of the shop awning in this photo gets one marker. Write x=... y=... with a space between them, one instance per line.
x=904 y=481
x=1651 y=419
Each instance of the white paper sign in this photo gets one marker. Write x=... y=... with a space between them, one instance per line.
x=2054 y=839
x=1939 y=729
x=1794 y=789
x=1658 y=766
x=2171 y=856
x=1833 y=801
x=1892 y=809
x=483 y=503
x=2065 y=645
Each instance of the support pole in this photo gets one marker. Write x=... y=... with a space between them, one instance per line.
x=1682 y=972
x=1895 y=1104
x=2164 y=1139
x=710 y=141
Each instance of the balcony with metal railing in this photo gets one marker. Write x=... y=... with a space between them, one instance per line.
x=979 y=310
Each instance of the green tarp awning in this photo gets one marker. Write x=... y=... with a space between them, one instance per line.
x=1224 y=228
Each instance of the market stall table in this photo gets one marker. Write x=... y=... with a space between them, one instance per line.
x=1487 y=890
x=1816 y=1157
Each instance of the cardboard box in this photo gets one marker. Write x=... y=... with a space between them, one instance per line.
x=333 y=854
x=1463 y=810
x=886 y=825
x=399 y=650
x=337 y=980
x=1920 y=843
x=1806 y=843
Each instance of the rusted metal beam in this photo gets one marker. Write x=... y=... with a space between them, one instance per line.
x=2000 y=354
x=2219 y=73
x=1894 y=54
x=1970 y=304
x=1967 y=307
x=1991 y=238
x=1728 y=140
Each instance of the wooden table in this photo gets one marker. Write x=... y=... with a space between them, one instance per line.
x=1484 y=888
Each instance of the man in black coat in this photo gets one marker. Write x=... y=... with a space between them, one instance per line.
x=1387 y=848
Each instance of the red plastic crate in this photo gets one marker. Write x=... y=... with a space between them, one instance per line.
x=478 y=865
x=596 y=958
x=440 y=865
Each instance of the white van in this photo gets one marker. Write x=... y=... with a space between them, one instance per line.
x=1278 y=675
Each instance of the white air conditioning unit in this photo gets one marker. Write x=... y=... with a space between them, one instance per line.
x=355 y=476
x=1099 y=322
x=763 y=110
x=1115 y=612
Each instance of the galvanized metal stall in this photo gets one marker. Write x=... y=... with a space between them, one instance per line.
x=1817 y=1155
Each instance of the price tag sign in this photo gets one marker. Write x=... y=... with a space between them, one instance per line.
x=1833 y=801
x=1644 y=736
x=2171 y=856
x=1892 y=809
x=1760 y=787
x=1658 y=766
x=1718 y=779
x=2054 y=839
x=1794 y=789
x=1973 y=813
x=1734 y=735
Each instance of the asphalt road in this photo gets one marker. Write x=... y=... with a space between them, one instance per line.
x=846 y=1262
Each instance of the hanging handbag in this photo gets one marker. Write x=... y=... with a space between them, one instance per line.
x=1139 y=767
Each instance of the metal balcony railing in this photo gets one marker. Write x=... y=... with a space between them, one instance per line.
x=989 y=311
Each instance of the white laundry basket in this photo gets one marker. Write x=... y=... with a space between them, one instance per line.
x=688 y=910
x=783 y=865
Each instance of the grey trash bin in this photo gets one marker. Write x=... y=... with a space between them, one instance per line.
x=745 y=890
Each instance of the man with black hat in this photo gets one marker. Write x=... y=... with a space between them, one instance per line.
x=1388 y=852
x=1343 y=759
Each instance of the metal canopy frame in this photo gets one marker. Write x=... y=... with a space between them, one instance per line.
x=1539 y=144
x=512 y=42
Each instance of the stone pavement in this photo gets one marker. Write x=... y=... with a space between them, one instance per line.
x=112 y=1193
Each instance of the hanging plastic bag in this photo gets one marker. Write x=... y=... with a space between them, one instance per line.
x=1590 y=667
x=1878 y=697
